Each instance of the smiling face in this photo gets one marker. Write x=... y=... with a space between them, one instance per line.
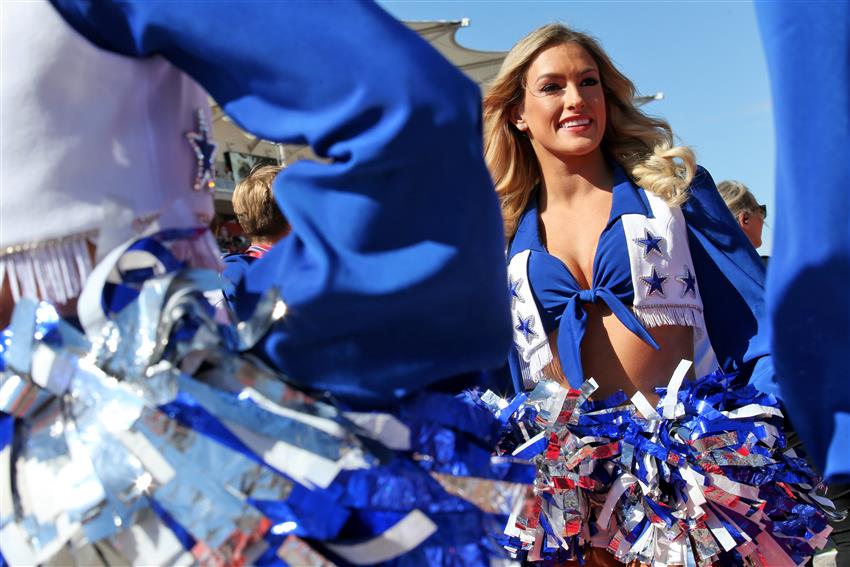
x=563 y=108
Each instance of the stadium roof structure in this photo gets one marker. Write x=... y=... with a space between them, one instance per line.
x=480 y=66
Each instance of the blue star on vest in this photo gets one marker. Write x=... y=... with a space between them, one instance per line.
x=515 y=296
x=204 y=149
x=655 y=283
x=524 y=327
x=689 y=281
x=650 y=243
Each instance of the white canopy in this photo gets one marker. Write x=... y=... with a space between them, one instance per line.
x=480 y=66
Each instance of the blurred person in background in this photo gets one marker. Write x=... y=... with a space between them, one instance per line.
x=745 y=208
x=260 y=218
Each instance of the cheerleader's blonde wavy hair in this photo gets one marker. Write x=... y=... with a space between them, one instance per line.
x=643 y=145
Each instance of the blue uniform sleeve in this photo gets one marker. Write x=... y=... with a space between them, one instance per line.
x=235 y=266
x=731 y=281
x=394 y=271
x=808 y=55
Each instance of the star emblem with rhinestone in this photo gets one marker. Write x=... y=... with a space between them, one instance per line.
x=650 y=243
x=204 y=149
x=524 y=327
x=689 y=281
x=655 y=283
x=515 y=296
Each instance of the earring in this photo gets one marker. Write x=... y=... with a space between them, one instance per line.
x=746 y=219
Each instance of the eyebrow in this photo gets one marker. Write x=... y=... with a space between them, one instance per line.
x=559 y=75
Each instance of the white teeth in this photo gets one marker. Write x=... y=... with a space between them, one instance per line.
x=579 y=122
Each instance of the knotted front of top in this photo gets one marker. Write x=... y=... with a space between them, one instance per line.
x=561 y=300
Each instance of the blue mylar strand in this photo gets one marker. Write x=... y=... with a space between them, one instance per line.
x=512 y=434
x=638 y=468
x=47 y=323
x=547 y=527
x=534 y=449
x=184 y=330
x=795 y=467
x=751 y=529
x=509 y=470
x=5 y=341
x=731 y=528
x=464 y=528
x=302 y=503
x=183 y=536
x=7 y=430
x=186 y=410
x=795 y=548
x=795 y=527
x=471 y=555
x=227 y=406
x=709 y=428
x=137 y=276
x=452 y=411
x=638 y=530
x=315 y=514
x=153 y=245
x=451 y=451
x=398 y=486
x=755 y=476
x=611 y=401
x=115 y=297
x=667 y=441
x=504 y=414
x=643 y=445
x=663 y=512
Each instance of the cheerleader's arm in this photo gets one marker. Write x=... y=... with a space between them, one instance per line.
x=394 y=270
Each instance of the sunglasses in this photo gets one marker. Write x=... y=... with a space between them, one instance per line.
x=763 y=210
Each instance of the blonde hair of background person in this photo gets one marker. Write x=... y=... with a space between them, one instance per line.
x=643 y=145
x=745 y=208
x=255 y=206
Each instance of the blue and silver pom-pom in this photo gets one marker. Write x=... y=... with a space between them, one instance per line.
x=158 y=441
x=704 y=474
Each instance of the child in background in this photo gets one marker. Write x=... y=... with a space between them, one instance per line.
x=260 y=218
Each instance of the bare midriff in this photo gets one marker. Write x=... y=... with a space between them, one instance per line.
x=619 y=360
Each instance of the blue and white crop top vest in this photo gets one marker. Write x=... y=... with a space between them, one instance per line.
x=642 y=270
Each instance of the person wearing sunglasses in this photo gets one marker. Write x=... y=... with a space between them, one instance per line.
x=745 y=208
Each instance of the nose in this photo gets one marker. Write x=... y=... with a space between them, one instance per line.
x=572 y=97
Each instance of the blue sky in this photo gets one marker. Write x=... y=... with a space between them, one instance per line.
x=706 y=58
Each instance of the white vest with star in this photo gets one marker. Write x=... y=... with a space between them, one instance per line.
x=95 y=151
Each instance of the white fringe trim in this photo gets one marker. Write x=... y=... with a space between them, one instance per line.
x=533 y=370
x=670 y=315
x=56 y=271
